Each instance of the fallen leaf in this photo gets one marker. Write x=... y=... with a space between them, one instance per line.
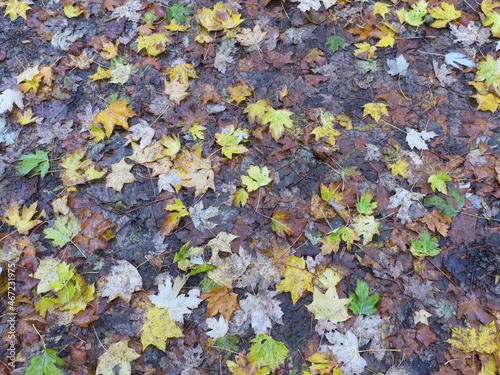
x=123 y=280
x=116 y=114
x=249 y=37
x=24 y=222
x=117 y=359
x=376 y=110
x=158 y=328
x=221 y=300
x=177 y=304
x=329 y=306
x=296 y=279
x=120 y=175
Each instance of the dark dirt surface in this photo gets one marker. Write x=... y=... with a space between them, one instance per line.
x=457 y=287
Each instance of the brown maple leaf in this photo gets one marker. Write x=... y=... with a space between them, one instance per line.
x=221 y=300
x=436 y=221
x=315 y=79
x=279 y=59
x=96 y=231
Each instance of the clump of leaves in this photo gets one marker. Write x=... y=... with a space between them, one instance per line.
x=34 y=163
x=336 y=42
x=426 y=246
x=414 y=16
x=446 y=207
x=171 y=222
x=267 y=352
x=178 y=12
x=362 y=303
x=45 y=364
x=365 y=205
x=230 y=139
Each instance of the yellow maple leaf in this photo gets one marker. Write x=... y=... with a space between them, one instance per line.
x=381 y=8
x=110 y=50
x=23 y=222
x=120 y=175
x=257 y=110
x=26 y=118
x=158 y=328
x=116 y=114
x=297 y=279
x=174 y=26
x=400 y=168
x=366 y=226
x=16 y=9
x=118 y=355
x=376 y=110
x=365 y=48
x=386 y=35
x=329 y=306
x=326 y=131
x=182 y=73
x=218 y=18
x=100 y=74
x=77 y=171
x=239 y=92
x=484 y=340
x=74 y=167
x=154 y=43
x=72 y=11
x=278 y=120
x=196 y=131
x=176 y=91
x=487 y=102
x=324 y=364
x=204 y=37
x=443 y=15
x=344 y=121
x=172 y=144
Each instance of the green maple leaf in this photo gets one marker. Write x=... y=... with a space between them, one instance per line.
x=455 y=193
x=178 y=12
x=426 y=246
x=45 y=304
x=335 y=42
x=256 y=178
x=45 y=364
x=493 y=20
x=487 y=70
x=362 y=303
x=267 y=352
x=365 y=205
x=277 y=120
x=37 y=162
x=438 y=181
x=67 y=228
x=445 y=206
